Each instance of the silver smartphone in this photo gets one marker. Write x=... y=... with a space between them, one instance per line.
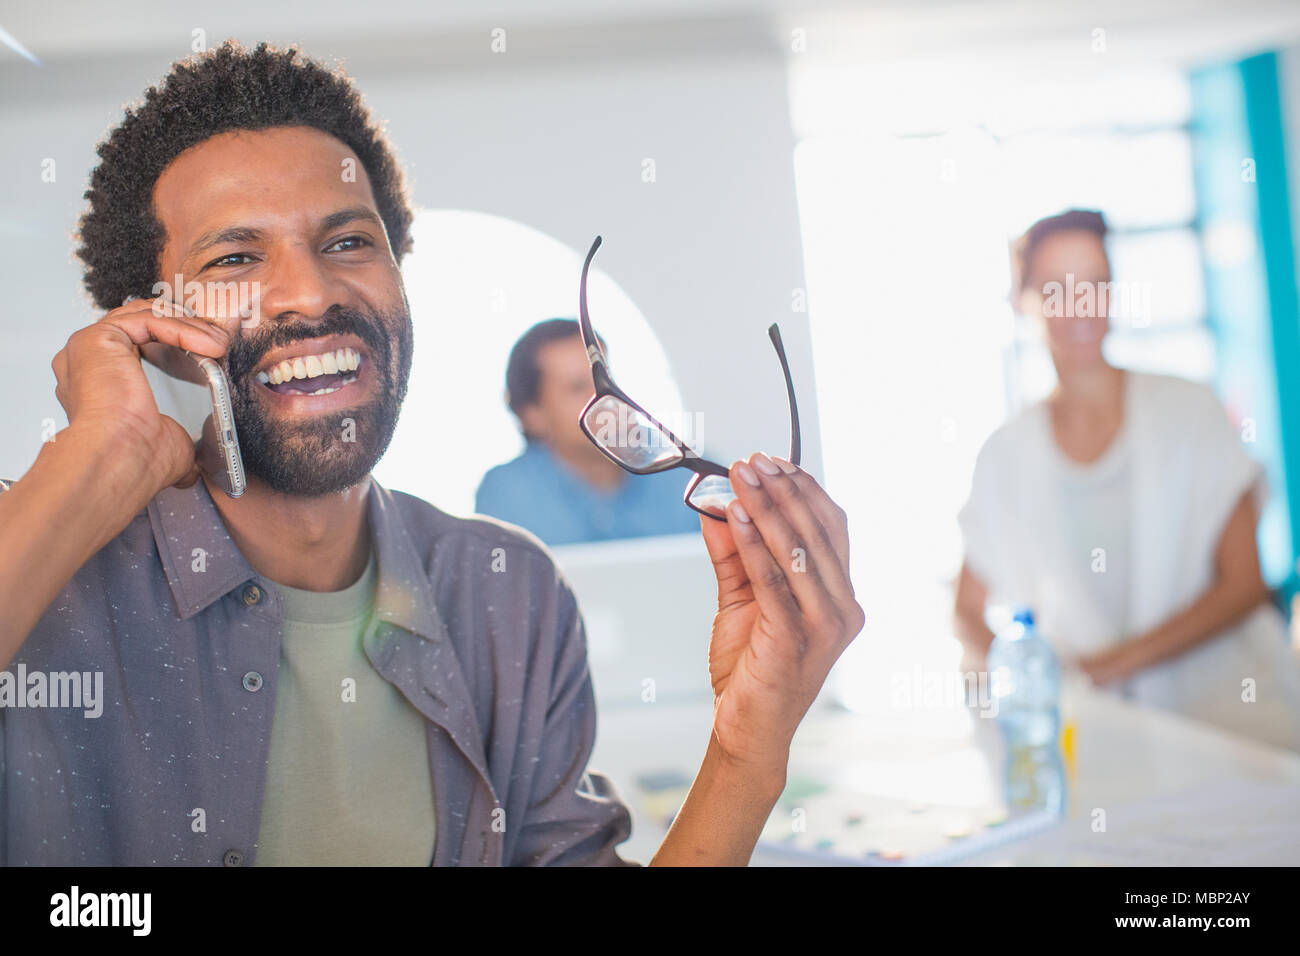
x=219 y=455
x=217 y=450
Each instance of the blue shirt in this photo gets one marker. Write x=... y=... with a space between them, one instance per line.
x=538 y=492
x=183 y=640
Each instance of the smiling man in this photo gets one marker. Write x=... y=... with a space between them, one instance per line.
x=323 y=671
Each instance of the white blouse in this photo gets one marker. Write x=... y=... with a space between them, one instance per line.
x=1100 y=496
x=1157 y=502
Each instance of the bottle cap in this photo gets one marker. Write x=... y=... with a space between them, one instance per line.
x=1024 y=616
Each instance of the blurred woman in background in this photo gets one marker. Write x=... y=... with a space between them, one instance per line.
x=1122 y=509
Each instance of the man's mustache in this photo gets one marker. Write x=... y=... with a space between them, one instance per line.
x=246 y=353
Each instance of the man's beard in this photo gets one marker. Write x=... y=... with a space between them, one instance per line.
x=327 y=454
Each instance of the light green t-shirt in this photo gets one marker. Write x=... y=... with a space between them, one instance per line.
x=348 y=781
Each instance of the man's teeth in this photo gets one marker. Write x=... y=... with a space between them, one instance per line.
x=311 y=366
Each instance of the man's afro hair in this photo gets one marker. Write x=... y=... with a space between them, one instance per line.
x=228 y=88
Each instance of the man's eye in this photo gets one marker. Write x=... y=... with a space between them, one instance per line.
x=360 y=242
x=225 y=260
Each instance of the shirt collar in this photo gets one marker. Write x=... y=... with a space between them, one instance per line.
x=203 y=564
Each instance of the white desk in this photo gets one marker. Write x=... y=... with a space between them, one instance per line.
x=1174 y=792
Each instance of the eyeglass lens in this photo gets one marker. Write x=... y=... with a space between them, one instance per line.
x=628 y=436
x=712 y=494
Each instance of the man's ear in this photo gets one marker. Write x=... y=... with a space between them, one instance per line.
x=530 y=416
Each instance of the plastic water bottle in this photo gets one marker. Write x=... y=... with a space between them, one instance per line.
x=1025 y=681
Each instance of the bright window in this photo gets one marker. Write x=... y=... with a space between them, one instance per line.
x=911 y=185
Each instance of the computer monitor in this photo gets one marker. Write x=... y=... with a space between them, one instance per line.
x=648 y=605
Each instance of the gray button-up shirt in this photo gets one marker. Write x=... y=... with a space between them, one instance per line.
x=476 y=627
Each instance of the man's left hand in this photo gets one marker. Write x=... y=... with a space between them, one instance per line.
x=786 y=608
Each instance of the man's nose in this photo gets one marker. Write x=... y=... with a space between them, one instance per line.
x=298 y=283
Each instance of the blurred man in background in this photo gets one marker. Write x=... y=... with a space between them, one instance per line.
x=562 y=488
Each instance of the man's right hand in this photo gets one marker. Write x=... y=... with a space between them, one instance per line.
x=102 y=387
x=96 y=475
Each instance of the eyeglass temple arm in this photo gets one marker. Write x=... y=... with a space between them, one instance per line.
x=589 y=340
x=774 y=333
x=601 y=376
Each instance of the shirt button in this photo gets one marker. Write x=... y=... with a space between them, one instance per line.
x=252 y=594
x=252 y=682
x=232 y=858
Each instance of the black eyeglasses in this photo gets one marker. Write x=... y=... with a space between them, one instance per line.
x=634 y=439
